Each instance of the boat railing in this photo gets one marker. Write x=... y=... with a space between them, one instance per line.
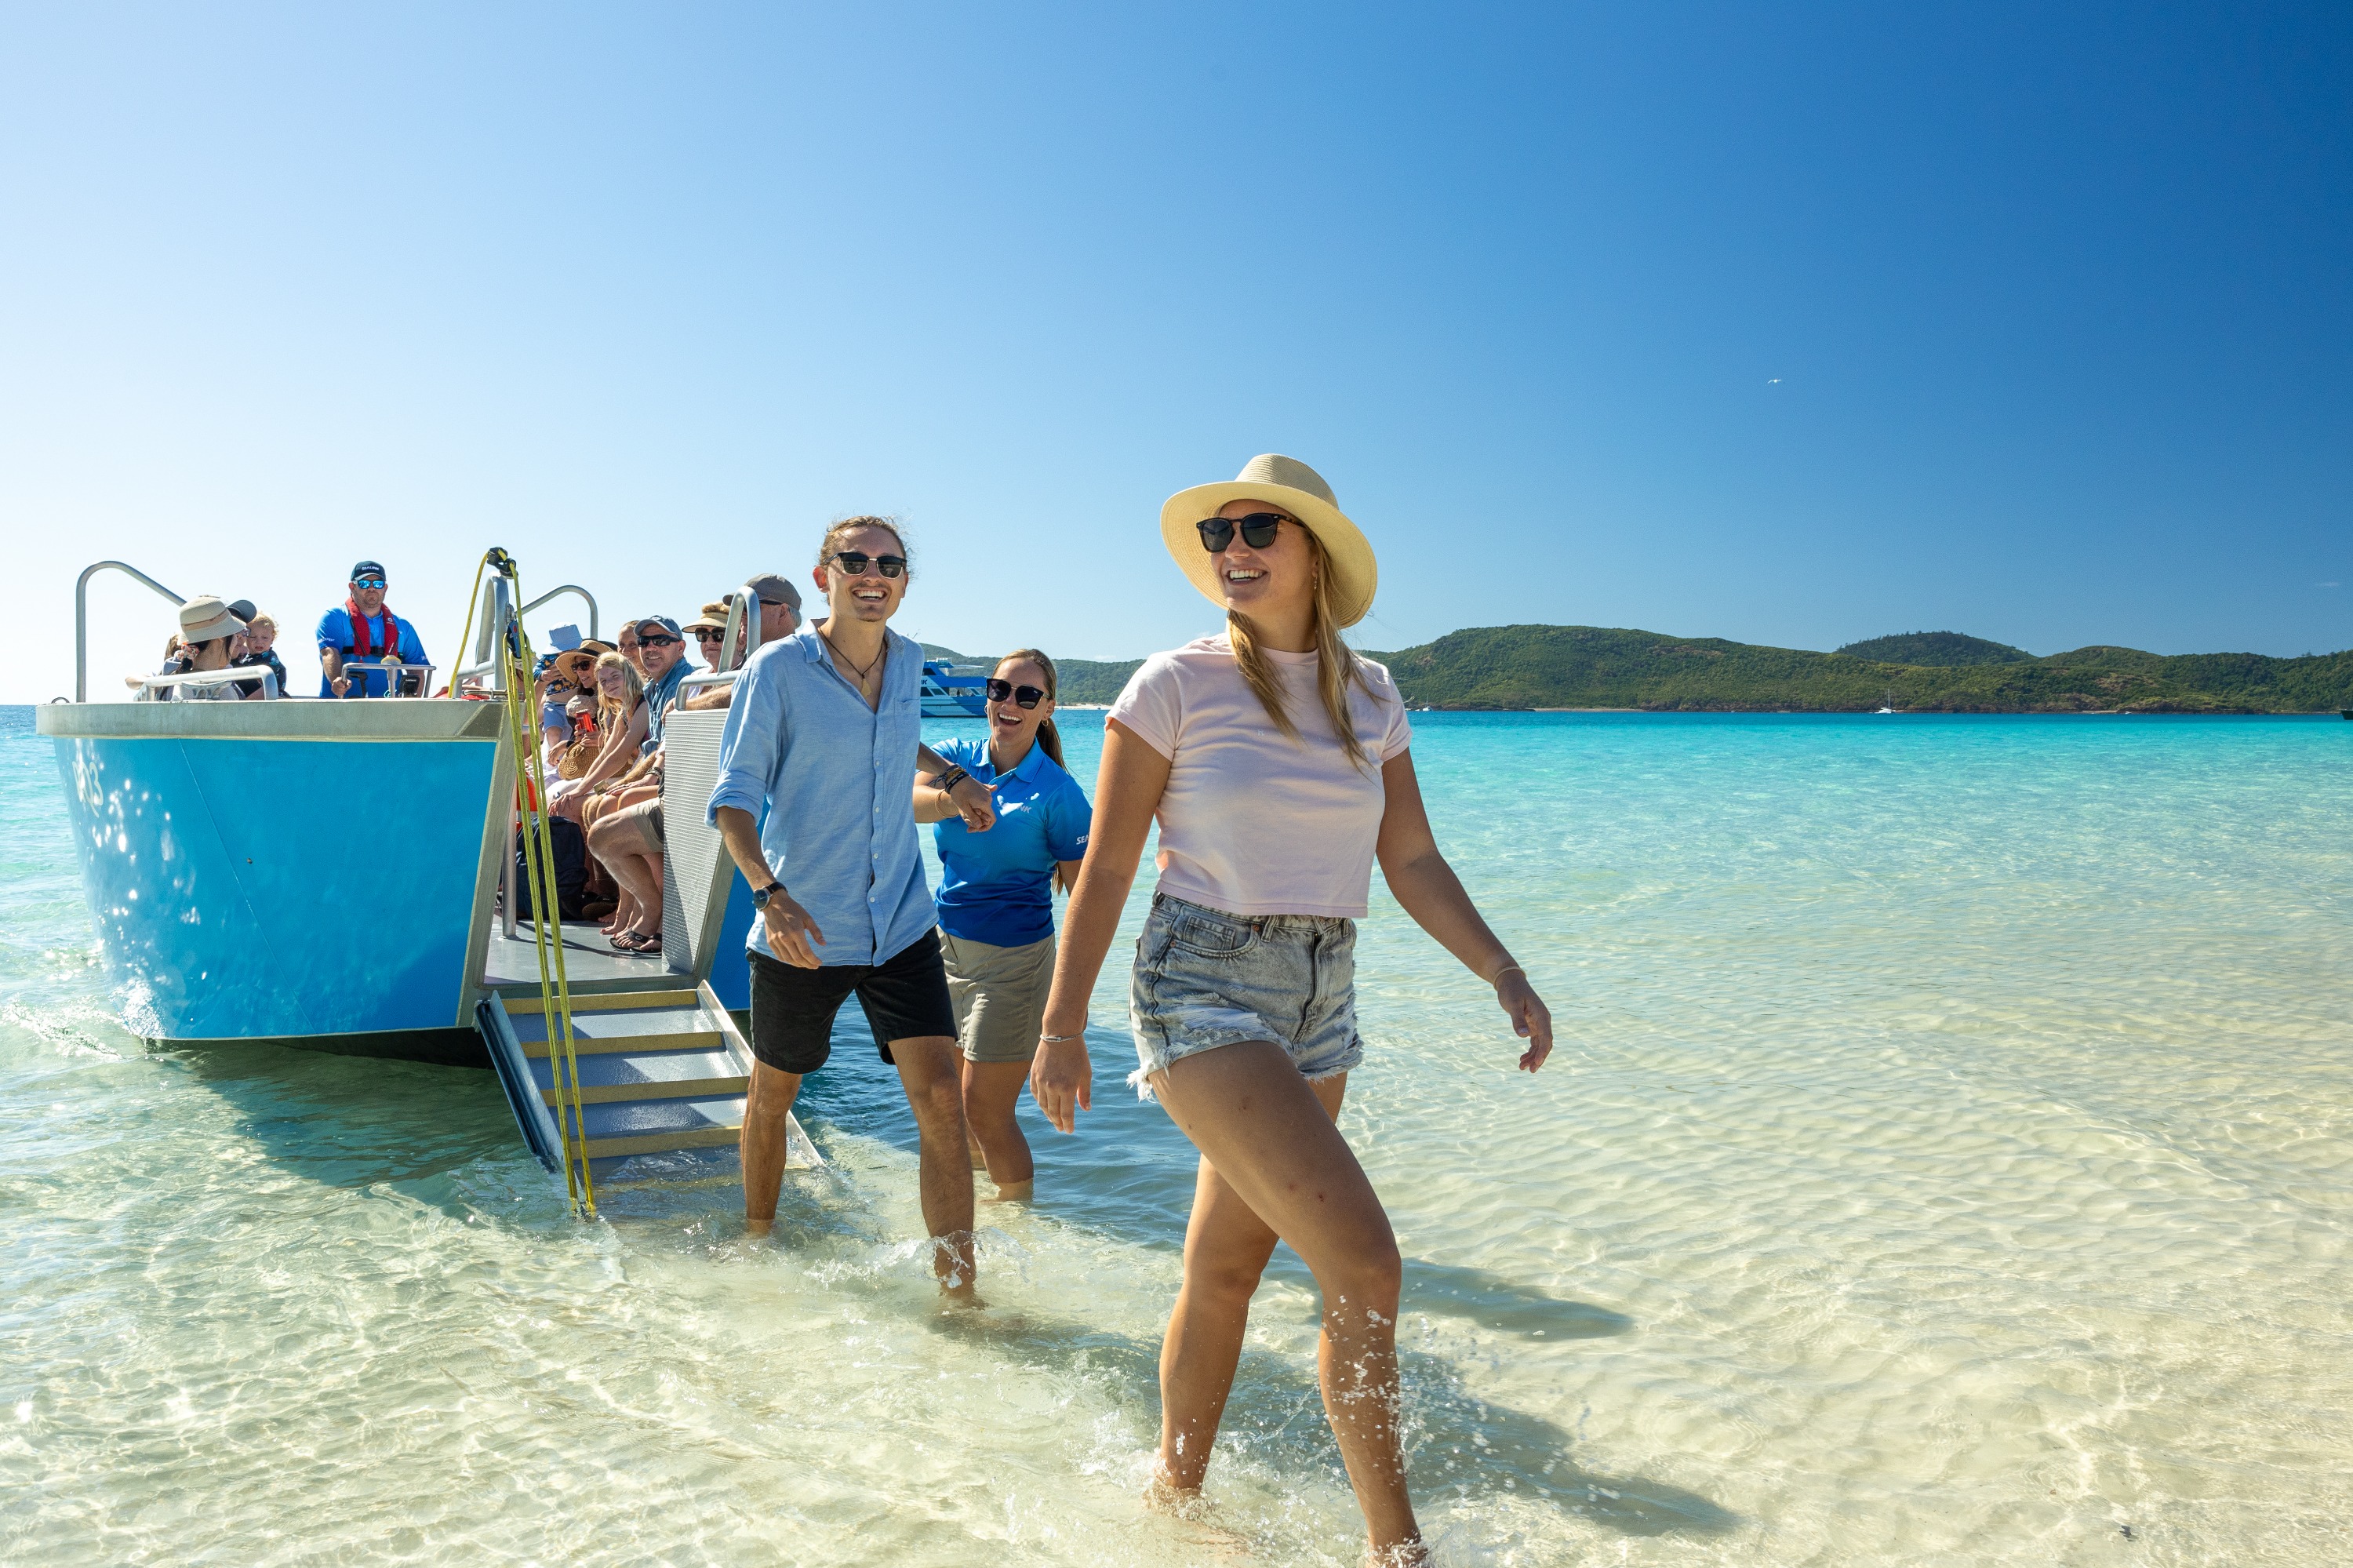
x=554 y=593
x=415 y=679
x=81 y=616
x=233 y=676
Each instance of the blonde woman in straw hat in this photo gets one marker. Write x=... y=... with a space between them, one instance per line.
x=1275 y=761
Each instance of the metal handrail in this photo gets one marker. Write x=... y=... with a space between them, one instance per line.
x=742 y=624
x=228 y=677
x=81 y=617
x=590 y=599
x=358 y=670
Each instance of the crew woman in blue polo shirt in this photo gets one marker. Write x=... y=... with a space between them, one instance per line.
x=997 y=900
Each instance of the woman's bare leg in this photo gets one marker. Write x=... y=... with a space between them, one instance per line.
x=1266 y=1136
x=991 y=1091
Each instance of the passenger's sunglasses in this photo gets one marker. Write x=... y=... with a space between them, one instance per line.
x=855 y=563
x=1023 y=696
x=657 y=641
x=704 y=634
x=1258 y=531
x=367 y=582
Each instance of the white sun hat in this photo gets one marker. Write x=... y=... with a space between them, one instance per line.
x=1297 y=489
x=204 y=616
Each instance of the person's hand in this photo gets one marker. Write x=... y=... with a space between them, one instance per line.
x=1531 y=1019
x=790 y=931
x=1062 y=1080
x=340 y=685
x=977 y=806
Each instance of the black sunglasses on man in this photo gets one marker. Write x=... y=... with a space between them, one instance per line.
x=855 y=563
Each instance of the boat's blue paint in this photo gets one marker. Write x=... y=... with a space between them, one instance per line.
x=731 y=971
x=247 y=888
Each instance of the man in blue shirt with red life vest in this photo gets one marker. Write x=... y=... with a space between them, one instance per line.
x=363 y=631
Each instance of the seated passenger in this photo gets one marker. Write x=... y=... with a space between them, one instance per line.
x=628 y=836
x=261 y=634
x=562 y=677
x=364 y=631
x=780 y=616
x=207 y=631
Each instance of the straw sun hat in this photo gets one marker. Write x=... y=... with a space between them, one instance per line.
x=1297 y=489
x=204 y=616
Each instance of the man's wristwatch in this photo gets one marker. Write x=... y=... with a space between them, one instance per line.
x=760 y=896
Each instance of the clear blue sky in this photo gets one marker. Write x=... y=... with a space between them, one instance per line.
x=1795 y=325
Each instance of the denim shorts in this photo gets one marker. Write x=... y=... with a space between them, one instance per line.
x=1205 y=979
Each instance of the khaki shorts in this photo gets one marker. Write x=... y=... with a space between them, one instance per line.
x=633 y=830
x=1000 y=995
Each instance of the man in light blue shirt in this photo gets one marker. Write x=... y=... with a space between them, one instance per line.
x=823 y=736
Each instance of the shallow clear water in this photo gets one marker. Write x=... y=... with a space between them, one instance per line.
x=1949 y=1161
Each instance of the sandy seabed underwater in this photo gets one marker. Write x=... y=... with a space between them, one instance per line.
x=1948 y=1160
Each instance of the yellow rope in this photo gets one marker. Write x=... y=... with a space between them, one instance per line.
x=539 y=872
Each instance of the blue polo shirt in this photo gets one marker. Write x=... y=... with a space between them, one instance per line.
x=997 y=887
x=836 y=780
x=368 y=679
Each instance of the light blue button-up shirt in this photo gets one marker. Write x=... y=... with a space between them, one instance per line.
x=836 y=780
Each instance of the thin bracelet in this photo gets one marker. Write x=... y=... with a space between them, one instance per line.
x=1507 y=968
x=1059 y=1039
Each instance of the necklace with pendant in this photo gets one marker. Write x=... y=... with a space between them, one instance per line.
x=833 y=648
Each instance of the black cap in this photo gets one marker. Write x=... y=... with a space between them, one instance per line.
x=242 y=608
x=370 y=569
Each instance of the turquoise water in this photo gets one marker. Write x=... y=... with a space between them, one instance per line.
x=1949 y=1159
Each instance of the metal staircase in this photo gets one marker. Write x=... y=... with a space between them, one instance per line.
x=662 y=1075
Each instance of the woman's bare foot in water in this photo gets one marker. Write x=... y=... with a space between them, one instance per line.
x=1404 y=1554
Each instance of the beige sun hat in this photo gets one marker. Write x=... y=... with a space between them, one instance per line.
x=1298 y=490
x=206 y=617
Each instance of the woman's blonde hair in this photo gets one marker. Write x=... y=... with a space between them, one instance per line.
x=1337 y=666
x=633 y=691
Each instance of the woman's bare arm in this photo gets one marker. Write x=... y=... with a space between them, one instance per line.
x=1127 y=793
x=1431 y=892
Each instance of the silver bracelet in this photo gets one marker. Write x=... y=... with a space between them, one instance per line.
x=1060 y=1039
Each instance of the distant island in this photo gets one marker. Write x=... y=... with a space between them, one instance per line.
x=1523 y=667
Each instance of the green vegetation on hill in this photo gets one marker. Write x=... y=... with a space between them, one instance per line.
x=1601 y=667
x=1939 y=650
x=1598 y=667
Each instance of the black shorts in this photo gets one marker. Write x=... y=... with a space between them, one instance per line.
x=905 y=998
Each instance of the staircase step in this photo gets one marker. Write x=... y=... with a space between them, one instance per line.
x=612 y=1093
x=644 y=1071
x=588 y=1045
x=599 y=1001
x=663 y=1142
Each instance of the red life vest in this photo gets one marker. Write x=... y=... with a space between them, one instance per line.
x=360 y=648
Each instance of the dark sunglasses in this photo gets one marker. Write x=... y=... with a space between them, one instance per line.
x=1258 y=531
x=704 y=634
x=1023 y=696
x=658 y=640
x=367 y=582
x=855 y=563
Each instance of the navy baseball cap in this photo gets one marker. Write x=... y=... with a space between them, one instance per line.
x=664 y=621
x=369 y=569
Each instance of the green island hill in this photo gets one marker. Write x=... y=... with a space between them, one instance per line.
x=1535 y=667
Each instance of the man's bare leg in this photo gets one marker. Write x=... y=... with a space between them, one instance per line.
x=767 y=1113
x=928 y=1072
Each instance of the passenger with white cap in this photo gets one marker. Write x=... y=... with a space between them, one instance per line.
x=1276 y=761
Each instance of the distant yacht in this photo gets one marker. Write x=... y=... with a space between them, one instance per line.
x=951 y=693
x=1890 y=701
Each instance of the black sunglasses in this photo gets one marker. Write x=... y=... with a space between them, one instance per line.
x=658 y=640
x=1258 y=531
x=1023 y=696
x=855 y=563
x=704 y=634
